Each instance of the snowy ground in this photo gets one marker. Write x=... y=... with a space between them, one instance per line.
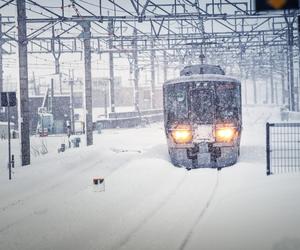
x=148 y=203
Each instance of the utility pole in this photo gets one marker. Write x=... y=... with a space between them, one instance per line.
x=283 y=74
x=254 y=86
x=272 y=80
x=245 y=89
x=136 y=71
x=282 y=87
x=165 y=66
x=105 y=99
x=86 y=25
x=267 y=91
x=71 y=83
x=244 y=85
x=23 y=84
x=298 y=89
x=290 y=42
x=1 y=57
x=111 y=65
x=34 y=84
x=241 y=75
x=57 y=72
x=276 y=92
x=51 y=102
x=9 y=139
x=152 y=92
x=56 y=55
x=60 y=82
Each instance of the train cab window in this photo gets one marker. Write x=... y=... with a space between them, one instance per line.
x=227 y=101
x=177 y=102
x=202 y=106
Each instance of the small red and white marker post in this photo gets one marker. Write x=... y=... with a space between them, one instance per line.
x=98 y=184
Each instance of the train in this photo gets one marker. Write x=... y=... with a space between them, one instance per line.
x=203 y=117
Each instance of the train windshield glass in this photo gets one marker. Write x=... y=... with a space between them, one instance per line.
x=203 y=102
x=202 y=106
x=177 y=102
x=227 y=101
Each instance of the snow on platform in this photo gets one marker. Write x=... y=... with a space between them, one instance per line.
x=148 y=203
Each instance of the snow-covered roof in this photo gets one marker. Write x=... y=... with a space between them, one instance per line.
x=202 y=69
x=205 y=77
x=55 y=95
x=5 y=123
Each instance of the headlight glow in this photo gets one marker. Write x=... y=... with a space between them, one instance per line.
x=182 y=134
x=225 y=134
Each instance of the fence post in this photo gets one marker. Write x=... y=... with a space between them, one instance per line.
x=268 y=148
x=12 y=161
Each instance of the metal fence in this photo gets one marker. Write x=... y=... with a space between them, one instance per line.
x=283 y=147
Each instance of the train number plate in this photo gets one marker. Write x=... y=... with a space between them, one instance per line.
x=204 y=133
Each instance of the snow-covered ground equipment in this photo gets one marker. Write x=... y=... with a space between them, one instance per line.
x=203 y=117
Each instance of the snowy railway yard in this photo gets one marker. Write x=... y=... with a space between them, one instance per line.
x=148 y=203
x=149 y=125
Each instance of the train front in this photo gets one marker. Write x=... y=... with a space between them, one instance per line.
x=203 y=118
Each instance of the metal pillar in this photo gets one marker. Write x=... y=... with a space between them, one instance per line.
x=105 y=100
x=268 y=125
x=23 y=84
x=9 y=139
x=136 y=71
x=272 y=80
x=254 y=86
x=56 y=54
x=57 y=71
x=88 y=82
x=245 y=91
x=111 y=66
x=283 y=74
x=288 y=76
x=165 y=66
x=267 y=92
x=152 y=57
x=60 y=82
x=290 y=40
x=282 y=88
x=1 y=57
x=298 y=89
x=276 y=92
x=244 y=85
x=71 y=83
x=34 y=85
x=51 y=99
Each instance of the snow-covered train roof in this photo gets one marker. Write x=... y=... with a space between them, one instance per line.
x=202 y=69
x=201 y=78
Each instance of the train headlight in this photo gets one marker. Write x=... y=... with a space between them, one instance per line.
x=182 y=134
x=225 y=134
